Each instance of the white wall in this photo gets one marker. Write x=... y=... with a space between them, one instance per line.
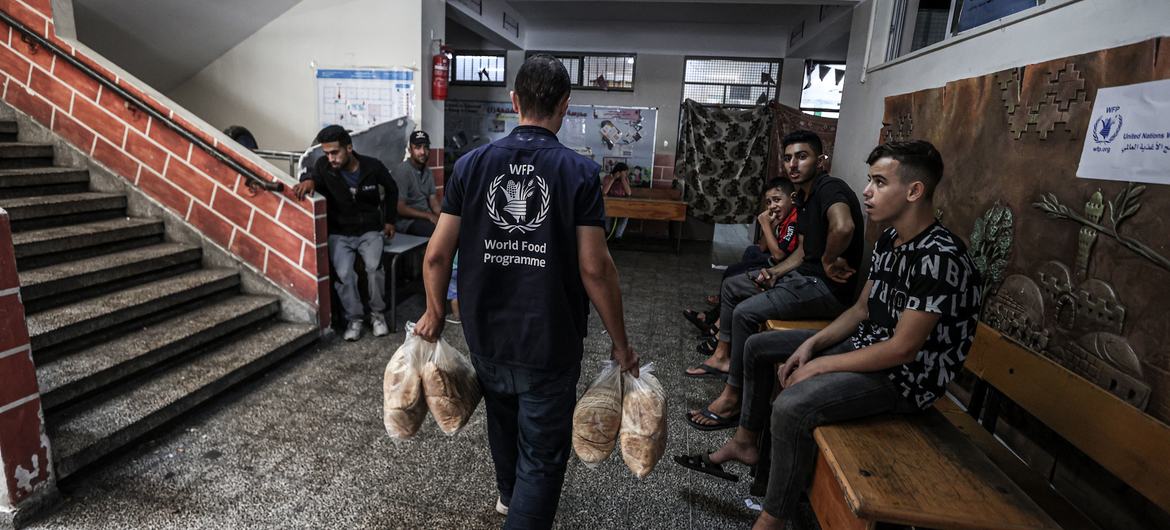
x=267 y=83
x=434 y=26
x=1058 y=29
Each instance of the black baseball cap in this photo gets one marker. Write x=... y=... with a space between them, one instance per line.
x=420 y=138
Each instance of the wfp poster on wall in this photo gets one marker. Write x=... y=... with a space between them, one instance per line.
x=606 y=135
x=1129 y=134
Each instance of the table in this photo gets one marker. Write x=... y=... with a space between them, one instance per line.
x=400 y=245
x=650 y=210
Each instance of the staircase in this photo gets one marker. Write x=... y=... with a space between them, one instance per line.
x=128 y=330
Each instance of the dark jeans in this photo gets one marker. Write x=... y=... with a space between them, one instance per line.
x=744 y=308
x=530 y=423
x=753 y=258
x=797 y=410
x=419 y=227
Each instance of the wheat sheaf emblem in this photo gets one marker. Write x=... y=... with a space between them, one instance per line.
x=516 y=197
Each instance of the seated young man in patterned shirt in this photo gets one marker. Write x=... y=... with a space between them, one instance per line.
x=894 y=350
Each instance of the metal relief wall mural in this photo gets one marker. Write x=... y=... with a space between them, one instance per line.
x=1076 y=268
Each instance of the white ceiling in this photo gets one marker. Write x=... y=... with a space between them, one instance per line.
x=738 y=27
x=165 y=42
x=743 y=12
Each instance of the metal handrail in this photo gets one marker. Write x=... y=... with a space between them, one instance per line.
x=291 y=157
x=254 y=180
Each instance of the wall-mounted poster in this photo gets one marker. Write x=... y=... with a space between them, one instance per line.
x=359 y=98
x=607 y=135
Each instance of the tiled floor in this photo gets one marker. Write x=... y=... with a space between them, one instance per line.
x=304 y=446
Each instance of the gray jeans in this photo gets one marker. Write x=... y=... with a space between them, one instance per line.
x=744 y=308
x=797 y=410
x=343 y=252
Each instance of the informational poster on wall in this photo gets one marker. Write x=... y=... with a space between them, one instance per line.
x=612 y=135
x=607 y=135
x=359 y=98
x=1129 y=134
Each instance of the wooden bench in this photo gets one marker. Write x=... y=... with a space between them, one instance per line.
x=946 y=469
x=674 y=211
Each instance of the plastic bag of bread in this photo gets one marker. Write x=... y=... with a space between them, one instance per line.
x=403 y=405
x=598 y=416
x=450 y=386
x=643 y=431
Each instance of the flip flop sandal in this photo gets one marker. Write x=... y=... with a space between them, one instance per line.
x=709 y=372
x=702 y=464
x=698 y=319
x=712 y=300
x=707 y=347
x=721 y=422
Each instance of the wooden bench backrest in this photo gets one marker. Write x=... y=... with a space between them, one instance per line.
x=1131 y=444
x=666 y=194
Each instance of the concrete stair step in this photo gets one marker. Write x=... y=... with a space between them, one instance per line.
x=83 y=372
x=8 y=131
x=22 y=155
x=82 y=435
x=43 y=211
x=42 y=181
x=60 y=325
x=70 y=281
x=38 y=248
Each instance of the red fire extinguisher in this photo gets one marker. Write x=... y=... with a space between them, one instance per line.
x=441 y=74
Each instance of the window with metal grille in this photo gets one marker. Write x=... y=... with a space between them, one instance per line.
x=821 y=95
x=731 y=81
x=478 y=68
x=598 y=71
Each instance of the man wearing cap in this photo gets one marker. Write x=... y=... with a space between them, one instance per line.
x=418 y=207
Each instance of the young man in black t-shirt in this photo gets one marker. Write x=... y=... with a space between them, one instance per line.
x=894 y=350
x=526 y=214
x=816 y=281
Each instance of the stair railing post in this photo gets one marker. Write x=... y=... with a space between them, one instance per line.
x=27 y=484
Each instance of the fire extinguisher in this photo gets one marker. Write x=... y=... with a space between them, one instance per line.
x=441 y=74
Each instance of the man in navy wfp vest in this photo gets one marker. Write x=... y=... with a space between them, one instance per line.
x=526 y=214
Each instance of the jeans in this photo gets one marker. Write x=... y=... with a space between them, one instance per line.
x=616 y=226
x=530 y=424
x=744 y=308
x=418 y=227
x=343 y=252
x=797 y=410
x=753 y=258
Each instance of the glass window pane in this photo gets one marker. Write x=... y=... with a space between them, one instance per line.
x=706 y=94
x=822 y=86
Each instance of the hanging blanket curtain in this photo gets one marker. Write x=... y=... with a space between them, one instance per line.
x=723 y=160
x=787 y=119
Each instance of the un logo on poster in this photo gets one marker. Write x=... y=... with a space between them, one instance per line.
x=512 y=214
x=1106 y=128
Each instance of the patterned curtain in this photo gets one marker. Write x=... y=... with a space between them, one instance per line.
x=723 y=158
x=787 y=119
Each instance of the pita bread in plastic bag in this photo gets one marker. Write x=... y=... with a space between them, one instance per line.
x=451 y=388
x=598 y=416
x=643 y=432
x=403 y=405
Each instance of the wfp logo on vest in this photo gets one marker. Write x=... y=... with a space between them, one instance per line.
x=510 y=200
x=1107 y=127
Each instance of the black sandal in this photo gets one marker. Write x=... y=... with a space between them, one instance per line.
x=703 y=464
x=709 y=372
x=721 y=422
x=707 y=346
x=703 y=321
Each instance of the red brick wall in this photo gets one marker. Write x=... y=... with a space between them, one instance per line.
x=278 y=235
x=24 y=451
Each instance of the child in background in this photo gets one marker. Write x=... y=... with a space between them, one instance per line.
x=779 y=238
x=453 y=292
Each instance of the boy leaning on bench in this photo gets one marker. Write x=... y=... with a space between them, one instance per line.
x=893 y=351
